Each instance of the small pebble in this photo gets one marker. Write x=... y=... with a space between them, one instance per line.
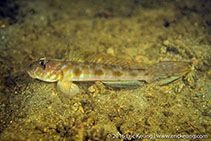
x=166 y=42
x=3 y=26
x=163 y=50
x=91 y=89
x=110 y=51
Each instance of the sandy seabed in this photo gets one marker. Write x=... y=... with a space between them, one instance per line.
x=152 y=30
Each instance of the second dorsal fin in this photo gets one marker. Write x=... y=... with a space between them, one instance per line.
x=87 y=57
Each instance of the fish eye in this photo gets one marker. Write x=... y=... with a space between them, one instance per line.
x=42 y=61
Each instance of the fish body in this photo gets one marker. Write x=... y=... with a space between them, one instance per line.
x=54 y=70
x=65 y=71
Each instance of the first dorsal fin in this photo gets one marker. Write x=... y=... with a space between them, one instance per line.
x=75 y=56
x=88 y=57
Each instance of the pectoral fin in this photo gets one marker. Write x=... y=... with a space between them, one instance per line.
x=68 y=88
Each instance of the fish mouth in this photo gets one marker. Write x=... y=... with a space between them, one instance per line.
x=31 y=74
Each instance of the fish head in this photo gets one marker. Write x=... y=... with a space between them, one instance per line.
x=44 y=70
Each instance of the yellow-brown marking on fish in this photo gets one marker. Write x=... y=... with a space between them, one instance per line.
x=64 y=67
x=59 y=67
x=86 y=73
x=98 y=72
x=77 y=72
x=42 y=74
x=59 y=74
x=117 y=73
x=85 y=70
x=84 y=67
x=92 y=66
x=51 y=74
x=37 y=72
x=68 y=67
x=133 y=74
x=69 y=75
x=107 y=67
x=125 y=69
